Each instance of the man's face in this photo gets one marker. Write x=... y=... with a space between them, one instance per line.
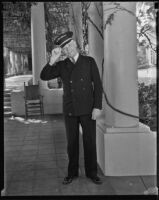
x=70 y=49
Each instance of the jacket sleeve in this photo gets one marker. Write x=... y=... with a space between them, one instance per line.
x=50 y=71
x=97 y=85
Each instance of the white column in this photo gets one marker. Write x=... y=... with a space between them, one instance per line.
x=75 y=25
x=120 y=72
x=95 y=40
x=52 y=98
x=125 y=146
x=38 y=41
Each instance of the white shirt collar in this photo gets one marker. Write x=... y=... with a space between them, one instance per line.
x=75 y=57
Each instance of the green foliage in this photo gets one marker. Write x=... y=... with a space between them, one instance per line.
x=147 y=104
x=17 y=14
x=146 y=18
x=56 y=19
x=85 y=6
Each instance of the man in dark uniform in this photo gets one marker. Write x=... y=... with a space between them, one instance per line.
x=82 y=102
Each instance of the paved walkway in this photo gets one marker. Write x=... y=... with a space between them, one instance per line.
x=36 y=163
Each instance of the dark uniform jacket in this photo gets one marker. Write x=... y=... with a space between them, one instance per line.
x=81 y=84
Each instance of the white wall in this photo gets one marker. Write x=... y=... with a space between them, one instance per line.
x=52 y=101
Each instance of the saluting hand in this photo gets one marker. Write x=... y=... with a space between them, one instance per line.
x=55 y=55
x=96 y=113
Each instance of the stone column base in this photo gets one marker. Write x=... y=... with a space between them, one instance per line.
x=126 y=151
x=3 y=192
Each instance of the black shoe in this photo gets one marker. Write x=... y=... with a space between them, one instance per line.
x=68 y=179
x=95 y=179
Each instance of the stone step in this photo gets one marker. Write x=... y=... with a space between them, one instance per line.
x=7 y=109
x=8 y=114
x=7 y=99
x=7 y=94
x=8 y=90
x=7 y=103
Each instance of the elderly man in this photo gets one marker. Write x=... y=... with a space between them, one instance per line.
x=82 y=102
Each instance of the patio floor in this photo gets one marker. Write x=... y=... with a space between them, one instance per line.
x=36 y=162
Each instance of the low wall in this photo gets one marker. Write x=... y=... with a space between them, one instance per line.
x=52 y=101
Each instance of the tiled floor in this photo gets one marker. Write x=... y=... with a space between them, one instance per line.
x=36 y=163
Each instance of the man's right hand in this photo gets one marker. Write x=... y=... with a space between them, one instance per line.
x=55 y=55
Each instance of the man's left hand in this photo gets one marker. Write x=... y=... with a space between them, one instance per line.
x=95 y=113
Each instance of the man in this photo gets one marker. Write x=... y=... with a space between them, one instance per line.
x=82 y=102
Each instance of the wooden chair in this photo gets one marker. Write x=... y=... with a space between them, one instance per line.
x=33 y=100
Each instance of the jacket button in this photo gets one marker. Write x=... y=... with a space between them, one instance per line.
x=70 y=81
x=81 y=79
x=70 y=114
x=72 y=90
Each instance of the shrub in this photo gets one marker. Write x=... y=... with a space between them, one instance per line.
x=147 y=104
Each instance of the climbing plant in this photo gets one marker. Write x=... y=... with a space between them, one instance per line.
x=146 y=24
x=145 y=17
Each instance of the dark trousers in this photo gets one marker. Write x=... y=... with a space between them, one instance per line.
x=89 y=143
